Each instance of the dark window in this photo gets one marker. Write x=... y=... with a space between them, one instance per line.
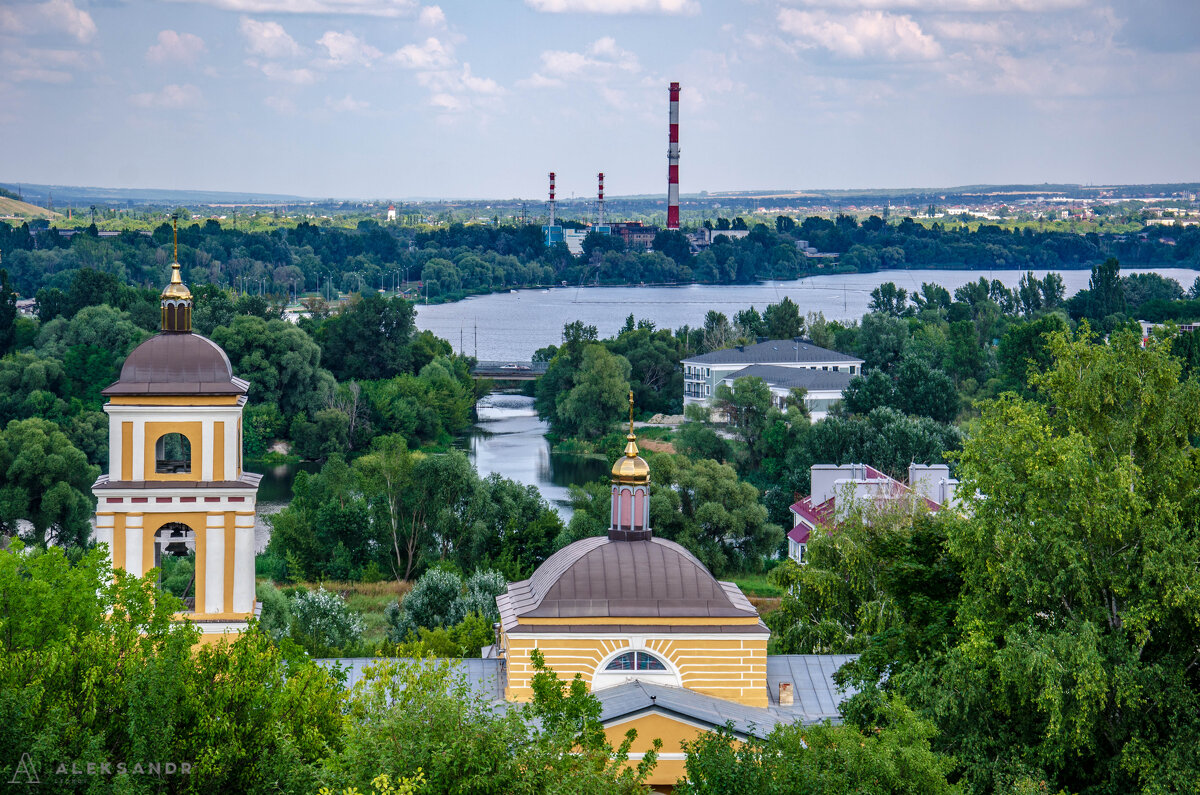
x=635 y=661
x=172 y=454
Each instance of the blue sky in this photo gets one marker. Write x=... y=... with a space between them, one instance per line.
x=404 y=98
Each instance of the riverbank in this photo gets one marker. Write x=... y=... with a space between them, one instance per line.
x=514 y=325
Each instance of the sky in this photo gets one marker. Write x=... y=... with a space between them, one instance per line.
x=403 y=99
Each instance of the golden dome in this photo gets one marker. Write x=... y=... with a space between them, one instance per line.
x=176 y=290
x=631 y=467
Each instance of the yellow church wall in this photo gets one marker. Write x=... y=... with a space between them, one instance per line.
x=194 y=433
x=218 y=450
x=230 y=541
x=734 y=669
x=673 y=733
x=118 y=544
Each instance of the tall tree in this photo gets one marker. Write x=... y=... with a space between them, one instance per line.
x=45 y=481
x=594 y=404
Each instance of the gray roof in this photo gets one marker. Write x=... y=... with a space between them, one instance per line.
x=599 y=577
x=172 y=363
x=774 y=352
x=793 y=377
x=815 y=693
x=483 y=676
x=816 y=696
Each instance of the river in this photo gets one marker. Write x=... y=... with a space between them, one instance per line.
x=512 y=325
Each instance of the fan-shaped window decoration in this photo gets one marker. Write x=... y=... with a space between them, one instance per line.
x=635 y=661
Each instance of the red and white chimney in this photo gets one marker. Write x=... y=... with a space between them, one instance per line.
x=600 y=200
x=551 y=203
x=673 y=161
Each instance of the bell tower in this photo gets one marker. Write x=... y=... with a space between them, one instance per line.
x=175 y=483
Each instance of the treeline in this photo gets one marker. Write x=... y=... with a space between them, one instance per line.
x=1046 y=628
x=457 y=260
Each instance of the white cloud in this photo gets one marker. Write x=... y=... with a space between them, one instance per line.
x=373 y=8
x=273 y=71
x=432 y=17
x=37 y=65
x=346 y=104
x=865 y=35
x=975 y=32
x=615 y=6
x=268 y=39
x=431 y=54
x=459 y=82
x=346 y=49
x=172 y=46
x=998 y=6
x=52 y=16
x=170 y=97
x=601 y=60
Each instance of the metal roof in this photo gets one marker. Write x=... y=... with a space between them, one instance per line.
x=774 y=352
x=482 y=676
x=172 y=363
x=816 y=695
x=599 y=577
x=793 y=377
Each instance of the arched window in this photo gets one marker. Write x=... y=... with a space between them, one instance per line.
x=635 y=661
x=175 y=559
x=172 y=454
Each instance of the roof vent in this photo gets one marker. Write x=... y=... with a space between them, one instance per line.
x=786 y=698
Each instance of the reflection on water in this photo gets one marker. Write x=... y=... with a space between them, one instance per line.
x=510 y=440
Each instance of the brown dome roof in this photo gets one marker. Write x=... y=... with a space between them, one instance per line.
x=598 y=577
x=177 y=364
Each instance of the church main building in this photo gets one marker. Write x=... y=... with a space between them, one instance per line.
x=175 y=483
x=665 y=647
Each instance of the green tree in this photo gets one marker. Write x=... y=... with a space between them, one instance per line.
x=882 y=340
x=596 y=402
x=45 y=481
x=893 y=757
x=746 y=405
x=370 y=339
x=1078 y=608
x=8 y=314
x=783 y=320
x=281 y=362
x=889 y=299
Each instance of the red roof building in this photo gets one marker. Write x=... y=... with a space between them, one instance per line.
x=832 y=484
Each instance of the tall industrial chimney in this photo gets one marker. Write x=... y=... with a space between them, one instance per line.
x=551 y=202
x=600 y=201
x=673 y=161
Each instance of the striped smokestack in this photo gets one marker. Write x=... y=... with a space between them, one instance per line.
x=600 y=200
x=673 y=161
x=551 y=198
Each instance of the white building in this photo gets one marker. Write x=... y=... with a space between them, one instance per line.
x=814 y=368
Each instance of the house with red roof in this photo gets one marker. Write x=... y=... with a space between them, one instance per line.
x=836 y=489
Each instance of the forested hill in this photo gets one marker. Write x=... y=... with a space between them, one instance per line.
x=456 y=260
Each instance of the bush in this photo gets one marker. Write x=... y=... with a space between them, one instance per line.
x=276 y=617
x=322 y=623
x=482 y=589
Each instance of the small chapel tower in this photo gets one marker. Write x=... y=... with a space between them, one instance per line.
x=630 y=492
x=175 y=483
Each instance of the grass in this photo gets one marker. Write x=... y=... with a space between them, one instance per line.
x=368 y=599
x=758 y=585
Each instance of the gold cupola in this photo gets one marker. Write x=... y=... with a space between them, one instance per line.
x=630 y=492
x=176 y=297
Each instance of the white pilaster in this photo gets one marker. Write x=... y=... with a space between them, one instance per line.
x=139 y=449
x=115 y=446
x=214 y=564
x=243 y=565
x=133 y=545
x=207 y=446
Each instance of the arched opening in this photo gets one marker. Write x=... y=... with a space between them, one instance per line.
x=628 y=665
x=172 y=454
x=175 y=559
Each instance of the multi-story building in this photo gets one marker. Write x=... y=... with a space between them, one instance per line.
x=783 y=364
x=837 y=489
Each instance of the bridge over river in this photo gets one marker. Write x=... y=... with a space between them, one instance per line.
x=509 y=371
